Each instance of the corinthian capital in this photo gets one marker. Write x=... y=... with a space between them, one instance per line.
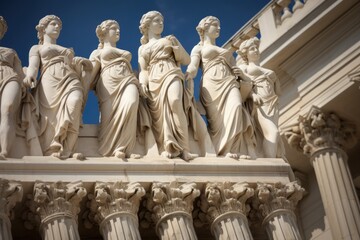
x=319 y=130
x=272 y=197
x=115 y=197
x=10 y=193
x=58 y=197
x=225 y=197
x=171 y=197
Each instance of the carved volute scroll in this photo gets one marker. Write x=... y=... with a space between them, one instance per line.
x=171 y=197
x=52 y=199
x=273 y=197
x=115 y=197
x=10 y=193
x=319 y=130
x=225 y=197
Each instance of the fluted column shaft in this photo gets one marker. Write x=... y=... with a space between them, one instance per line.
x=325 y=137
x=5 y=227
x=176 y=225
x=59 y=226
x=338 y=193
x=231 y=225
x=282 y=224
x=120 y=225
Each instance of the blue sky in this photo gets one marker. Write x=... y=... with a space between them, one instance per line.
x=80 y=18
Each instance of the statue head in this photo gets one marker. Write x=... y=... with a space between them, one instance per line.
x=245 y=46
x=205 y=24
x=103 y=29
x=145 y=21
x=43 y=23
x=3 y=27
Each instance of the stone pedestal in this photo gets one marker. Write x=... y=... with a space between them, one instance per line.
x=324 y=137
x=226 y=210
x=171 y=205
x=10 y=194
x=57 y=205
x=277 y=204
x=115 y=207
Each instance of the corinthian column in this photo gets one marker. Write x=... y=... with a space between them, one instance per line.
x=226 y=209
x=10 y=193
x=277 y=204
x=324 y=137
x=57 y=205
x=114 y=207
x=171 y=206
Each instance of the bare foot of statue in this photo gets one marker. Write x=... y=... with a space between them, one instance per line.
x=188 y=156
x=56 y=155
x=135 y=156
x=3 y=156
x=244 y=156
x=78 y=156
x=119 y=154
x=166 y=154
x=232 y=155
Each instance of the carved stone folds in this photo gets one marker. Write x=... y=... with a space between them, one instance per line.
x=277 y=204
x=324 y=137
x=114 y=207
x=10 y=193
x=226 y=209
x=57 y=205
x=171 y=205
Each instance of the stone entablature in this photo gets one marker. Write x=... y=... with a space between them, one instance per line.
x=126 y=182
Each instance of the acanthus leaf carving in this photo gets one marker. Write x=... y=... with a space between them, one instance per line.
x=171 y=197
x=320 y=130
x=53 y=198
x=112 y=198
x=220 y=198
x=11 y=192
x=272 y=197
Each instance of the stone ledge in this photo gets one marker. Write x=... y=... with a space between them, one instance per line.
x=146 y=170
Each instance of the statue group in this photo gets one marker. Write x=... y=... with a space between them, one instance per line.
x=44 y=101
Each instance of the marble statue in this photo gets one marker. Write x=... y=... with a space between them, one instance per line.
x=230 y=124
x=117 y=90
x=264 y=97
x=11 y=76
x=162 y=83
x=59 y=90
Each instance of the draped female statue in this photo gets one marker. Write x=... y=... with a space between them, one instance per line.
x=11 y=76
x=59 y=90
x=117 y=90
x=230 y=125
x=266 y=88
x=162 y=83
